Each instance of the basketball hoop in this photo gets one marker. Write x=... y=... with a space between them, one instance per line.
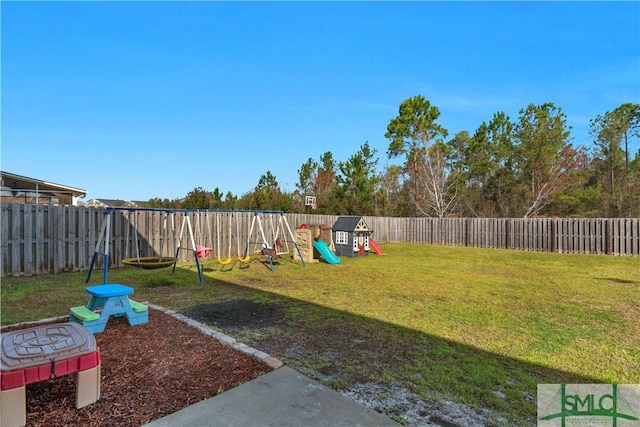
x=310 y=201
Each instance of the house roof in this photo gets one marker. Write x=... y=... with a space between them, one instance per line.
x=350 y=223
x=110 y=203
x=16 y=182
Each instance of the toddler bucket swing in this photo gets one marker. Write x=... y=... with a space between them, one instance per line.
x=203 y=251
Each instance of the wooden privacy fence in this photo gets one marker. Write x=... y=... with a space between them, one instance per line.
x=44 y=239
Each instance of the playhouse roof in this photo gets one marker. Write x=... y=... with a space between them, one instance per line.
x=350 y=223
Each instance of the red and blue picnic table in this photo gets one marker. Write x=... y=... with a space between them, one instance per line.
x=106 y=301
x=42 y=353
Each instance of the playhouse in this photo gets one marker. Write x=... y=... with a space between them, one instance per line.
x=351 y=236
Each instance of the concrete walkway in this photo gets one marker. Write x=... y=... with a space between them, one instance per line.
x=282 y=397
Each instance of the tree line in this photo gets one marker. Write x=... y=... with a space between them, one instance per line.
x=528 y=167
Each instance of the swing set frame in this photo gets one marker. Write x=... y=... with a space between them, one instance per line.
x=280 y=233
x=151 y=262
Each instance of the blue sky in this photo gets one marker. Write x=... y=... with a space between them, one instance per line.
x=134 y=100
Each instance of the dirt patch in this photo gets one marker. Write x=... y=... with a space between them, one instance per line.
x=161 y=285
x=404 y=406
x=237 y=315
x=351 y=358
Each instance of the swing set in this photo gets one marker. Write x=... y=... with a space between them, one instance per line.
x=268 y=232
x=205 y=251
x=145 y=262
x=280 y=240
x=279 y=232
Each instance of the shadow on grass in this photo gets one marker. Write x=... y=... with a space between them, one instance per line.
x=408 y=375
x=618 y=280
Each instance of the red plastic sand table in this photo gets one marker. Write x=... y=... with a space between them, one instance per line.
x=41 y=353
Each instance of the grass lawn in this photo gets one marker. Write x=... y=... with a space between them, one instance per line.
x=476 y=326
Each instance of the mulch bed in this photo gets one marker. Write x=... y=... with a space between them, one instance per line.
x=148 y=371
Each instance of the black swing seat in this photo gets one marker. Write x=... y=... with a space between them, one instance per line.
x=150 y=262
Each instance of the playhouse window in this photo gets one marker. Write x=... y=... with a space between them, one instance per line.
x=342 y=238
